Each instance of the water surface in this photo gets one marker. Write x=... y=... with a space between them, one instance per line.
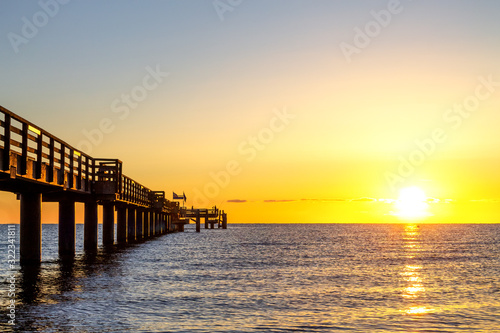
x=270 y=278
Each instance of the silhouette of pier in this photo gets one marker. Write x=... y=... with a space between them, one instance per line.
x=38 y=166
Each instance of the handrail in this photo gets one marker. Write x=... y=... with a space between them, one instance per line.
x=39 y=155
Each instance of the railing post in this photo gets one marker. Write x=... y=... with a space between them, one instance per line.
x=39 y=152
x=50 y=172
x=24 y=150
x=71 y=168
x=6 y=143
x=62 y=162
x=79 y=173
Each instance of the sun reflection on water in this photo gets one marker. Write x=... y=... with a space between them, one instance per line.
x=411 y=274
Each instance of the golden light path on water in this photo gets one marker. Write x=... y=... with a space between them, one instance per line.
x=411 y=274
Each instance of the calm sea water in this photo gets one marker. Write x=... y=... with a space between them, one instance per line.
x=269 y=278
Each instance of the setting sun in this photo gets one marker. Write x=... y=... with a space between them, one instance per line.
x=412 y=203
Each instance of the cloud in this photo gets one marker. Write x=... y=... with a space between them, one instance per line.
x=486 y=200
x=236 y=201
x=363 y=199
x=325 y=200
x=279 y=200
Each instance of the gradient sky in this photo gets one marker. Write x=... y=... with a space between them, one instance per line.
x=351 y=120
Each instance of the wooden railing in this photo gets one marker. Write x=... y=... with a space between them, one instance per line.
x=30 y=153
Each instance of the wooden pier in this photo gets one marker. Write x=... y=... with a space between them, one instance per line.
x=38 y=166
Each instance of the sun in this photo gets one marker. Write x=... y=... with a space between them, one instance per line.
x=412 y=203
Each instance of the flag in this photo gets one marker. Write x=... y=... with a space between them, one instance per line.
x=179 y=197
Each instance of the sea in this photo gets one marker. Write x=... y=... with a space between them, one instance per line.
x=264 y=278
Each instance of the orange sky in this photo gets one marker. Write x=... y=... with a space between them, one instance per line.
x=263 y=108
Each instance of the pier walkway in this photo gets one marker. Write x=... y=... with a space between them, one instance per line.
x=38 y=166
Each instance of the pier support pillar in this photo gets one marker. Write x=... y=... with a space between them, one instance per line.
x=224 y=221
x=31 y=228
x=139 y=230
x=151 y=223
x=131 y=224
x=90 y=232
x=146 y=224
x=121 y=224
x=198 y=221
x=67 y=231
x=157 y=223
x=108 y=223
x=206 y=220
x=212 y=225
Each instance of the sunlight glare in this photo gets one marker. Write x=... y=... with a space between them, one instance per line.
x=412 y=203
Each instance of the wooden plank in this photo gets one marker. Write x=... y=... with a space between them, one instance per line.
x=16 y=130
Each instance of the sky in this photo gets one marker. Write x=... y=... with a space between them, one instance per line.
x=275 y=111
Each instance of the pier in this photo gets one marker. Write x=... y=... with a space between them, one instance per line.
x=39 y=167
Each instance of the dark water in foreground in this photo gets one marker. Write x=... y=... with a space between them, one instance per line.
x=269 y=278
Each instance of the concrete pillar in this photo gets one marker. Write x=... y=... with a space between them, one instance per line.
x=121 y=224
x=108 y=223
x=139 y=230
x=30 y=249
x=67 y=232
x=198 y=221
x=90 y=230
x=131 y=224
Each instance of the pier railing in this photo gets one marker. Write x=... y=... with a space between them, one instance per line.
x=29 y=152
x=31 y=156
